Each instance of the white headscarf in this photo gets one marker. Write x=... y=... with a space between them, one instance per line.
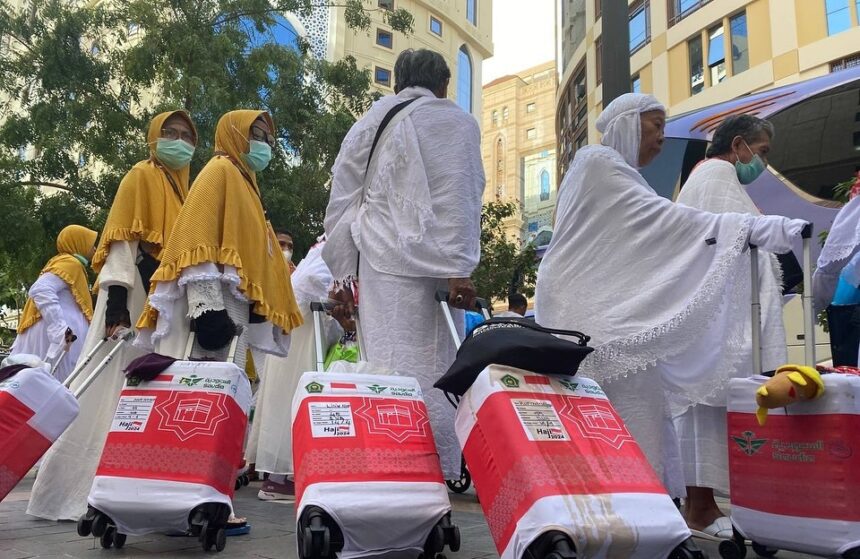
x=621 y=126
x=843 y=242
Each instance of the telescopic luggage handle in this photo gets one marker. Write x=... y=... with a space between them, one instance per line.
x=79 y=391
x=808 y=315
x=319 y=307
x=68 y=339
x=442 y=298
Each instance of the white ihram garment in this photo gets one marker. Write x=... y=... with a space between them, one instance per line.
x=272 y=424
x=419 y=226
x=68 y=468
x=843 y=243
x=713 y=186
x=46 y=338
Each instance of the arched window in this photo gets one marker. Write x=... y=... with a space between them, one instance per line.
x=544 y=185
x=495 y=118
x=464 y=80
x=505 y=113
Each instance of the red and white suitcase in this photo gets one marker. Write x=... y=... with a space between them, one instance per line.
x=170 y=459
x=554 y=465
x=368 y=477
x=795 y=482
x=35 y=409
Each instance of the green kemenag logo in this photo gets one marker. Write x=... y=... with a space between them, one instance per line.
x=314 y=388
x=749 y=445
x=510 y=381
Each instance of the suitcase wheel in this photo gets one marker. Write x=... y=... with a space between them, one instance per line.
x=85 y=526
x=107 y=539
x=551 y=545
x=319 y=535
x=688 y=550
x=460 y=485
x=99 y=524
x=220 y=539
x=763 y=550
x=118 y=540
x=734 y=548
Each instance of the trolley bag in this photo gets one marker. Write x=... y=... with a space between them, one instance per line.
x=559 y=475
x=36 y=408
x=794 y=481
x=170 y=459
x=368 y=477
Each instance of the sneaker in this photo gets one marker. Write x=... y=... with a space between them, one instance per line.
x=277 y=491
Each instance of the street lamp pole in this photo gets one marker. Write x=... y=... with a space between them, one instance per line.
x=615 y=46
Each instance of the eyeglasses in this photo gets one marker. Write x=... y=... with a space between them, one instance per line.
x=176 y=134
x=262 y=135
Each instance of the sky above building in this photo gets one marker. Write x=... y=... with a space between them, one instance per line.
x=522 y=36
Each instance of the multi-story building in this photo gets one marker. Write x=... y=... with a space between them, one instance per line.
x=694 y=53
x=518 y=145
x=461 y=30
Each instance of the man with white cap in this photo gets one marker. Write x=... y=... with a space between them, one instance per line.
x=660 y=288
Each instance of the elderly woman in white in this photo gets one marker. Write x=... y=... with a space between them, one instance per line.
x=647 y=279
x=736 y=157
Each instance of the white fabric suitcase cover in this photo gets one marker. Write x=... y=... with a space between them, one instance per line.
x=175 y=443
x=35 y=409
x=364 y=453
x=795 y=482
x=550 y=453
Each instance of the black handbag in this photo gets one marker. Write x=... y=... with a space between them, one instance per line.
x=515 y=342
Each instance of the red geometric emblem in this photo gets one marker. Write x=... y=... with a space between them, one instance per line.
x=192 y=413
x=398 y=419
x=596 y=419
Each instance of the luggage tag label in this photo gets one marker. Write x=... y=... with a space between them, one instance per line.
x=540 y=420
x=132 y=414
x=331 y=419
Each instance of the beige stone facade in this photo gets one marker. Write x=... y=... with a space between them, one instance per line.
x=695 y=53
x=518 y=146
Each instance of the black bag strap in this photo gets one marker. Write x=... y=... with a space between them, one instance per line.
x=385 y=120
x=505 y=322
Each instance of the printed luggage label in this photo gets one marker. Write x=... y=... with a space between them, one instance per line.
x=132 y=414
x=540 y=420
x=331 y=419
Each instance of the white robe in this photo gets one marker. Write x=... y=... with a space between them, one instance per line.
x=46 y=338
x=68 y=468
x=843 y=243
x=270 y=447
x=419 y=225
x=646 y=279
x=713 y=187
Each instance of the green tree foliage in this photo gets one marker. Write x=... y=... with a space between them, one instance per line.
x=81 y=83
x=504 y=267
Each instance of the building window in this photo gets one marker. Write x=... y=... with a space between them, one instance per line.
x=531 y=107
x=636 y=84
x=384 y=38
x=382 y=76
x=697 y=72
x=740 y=43
x=717 y=54
x=544 y=185
x=598 y=9
x=386 y=4
x=845 y=63
x=639 y=26
x=464 y=79
x=472 y=12
x=495 y=117
x=435 y=26
x=598 y=60
x=531 y=134
x=838 y=16
x=133 y=29
x=679 y=9
x=582 y=140
x=505 y=114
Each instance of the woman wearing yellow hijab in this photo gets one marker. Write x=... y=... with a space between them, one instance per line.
x=222 y=266
x=132 y=241
x=59 y=300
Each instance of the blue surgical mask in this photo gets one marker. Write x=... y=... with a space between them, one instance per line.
x=175 y=154
x=748 y=172
x=258 y=156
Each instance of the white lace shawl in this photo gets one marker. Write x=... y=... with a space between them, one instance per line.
x=843 y=242
x=423 y=203
x=635 y=271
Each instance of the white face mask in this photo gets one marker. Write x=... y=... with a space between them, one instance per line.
x=288 y=255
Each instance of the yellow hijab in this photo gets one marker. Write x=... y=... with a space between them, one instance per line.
x=148 y=199
x=223 y=221
x=72 y=240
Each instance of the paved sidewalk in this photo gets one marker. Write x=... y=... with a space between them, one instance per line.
x=272 y=534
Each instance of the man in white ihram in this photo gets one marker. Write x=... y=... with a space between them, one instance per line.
x=662 y=289
x=416 y=223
